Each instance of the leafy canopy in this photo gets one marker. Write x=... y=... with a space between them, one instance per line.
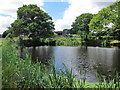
x=105 y=19
x=32 y=21
x=81 y=24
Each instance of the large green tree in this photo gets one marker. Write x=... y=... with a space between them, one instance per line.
x=81 y=24
x=106 y=22
x=32 y=22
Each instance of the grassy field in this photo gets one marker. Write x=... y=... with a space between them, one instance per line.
x=19 y=73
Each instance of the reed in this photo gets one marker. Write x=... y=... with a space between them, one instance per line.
x=110 y=82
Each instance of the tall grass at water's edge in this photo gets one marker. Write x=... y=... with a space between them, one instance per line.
x=19 y=73
x=68 y=41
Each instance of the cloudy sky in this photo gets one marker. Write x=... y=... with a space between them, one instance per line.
x=63 y=12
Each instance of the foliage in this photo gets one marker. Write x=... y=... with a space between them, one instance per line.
x=68 y=41
x=32 y=22
x=104 y=22
x=7 y=33
x=81 y=24
x=68 y=31
x=56 y=41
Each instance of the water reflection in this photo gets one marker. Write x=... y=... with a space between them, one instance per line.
x=43 y=53
x=92 y=59
x=104 y=60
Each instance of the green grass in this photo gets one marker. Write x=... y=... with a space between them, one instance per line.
x=0 y=41
x=19 y=73
x=68 y=41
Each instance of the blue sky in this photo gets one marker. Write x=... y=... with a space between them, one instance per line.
x=63 y=12
x=55 y=9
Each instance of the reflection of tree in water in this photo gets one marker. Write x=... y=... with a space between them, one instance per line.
x=83 y=58
x=116 y=58
x=76 y=58
x=116 y=64
x=42 y=54
x=104 y=60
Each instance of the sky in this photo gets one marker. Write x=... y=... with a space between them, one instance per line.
x=63 y=12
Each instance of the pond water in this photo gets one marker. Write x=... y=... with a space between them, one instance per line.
x=93 y=60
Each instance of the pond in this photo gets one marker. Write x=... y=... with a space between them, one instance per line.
x=92 y=60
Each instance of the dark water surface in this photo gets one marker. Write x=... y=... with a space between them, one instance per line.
x=91 y=59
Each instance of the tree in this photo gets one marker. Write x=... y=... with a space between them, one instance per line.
x=104 y=23
x=6 y=33
x=116 y=27
x=81 y=24
x=32 y=22
x=66 y=31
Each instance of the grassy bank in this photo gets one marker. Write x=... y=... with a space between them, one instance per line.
x=67 y=41
x=19 y=73
x=57 y=41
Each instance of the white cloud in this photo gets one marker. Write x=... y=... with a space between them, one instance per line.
x=105 y=0
x=76 y=8
x=9 y=8
x=5 y=22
